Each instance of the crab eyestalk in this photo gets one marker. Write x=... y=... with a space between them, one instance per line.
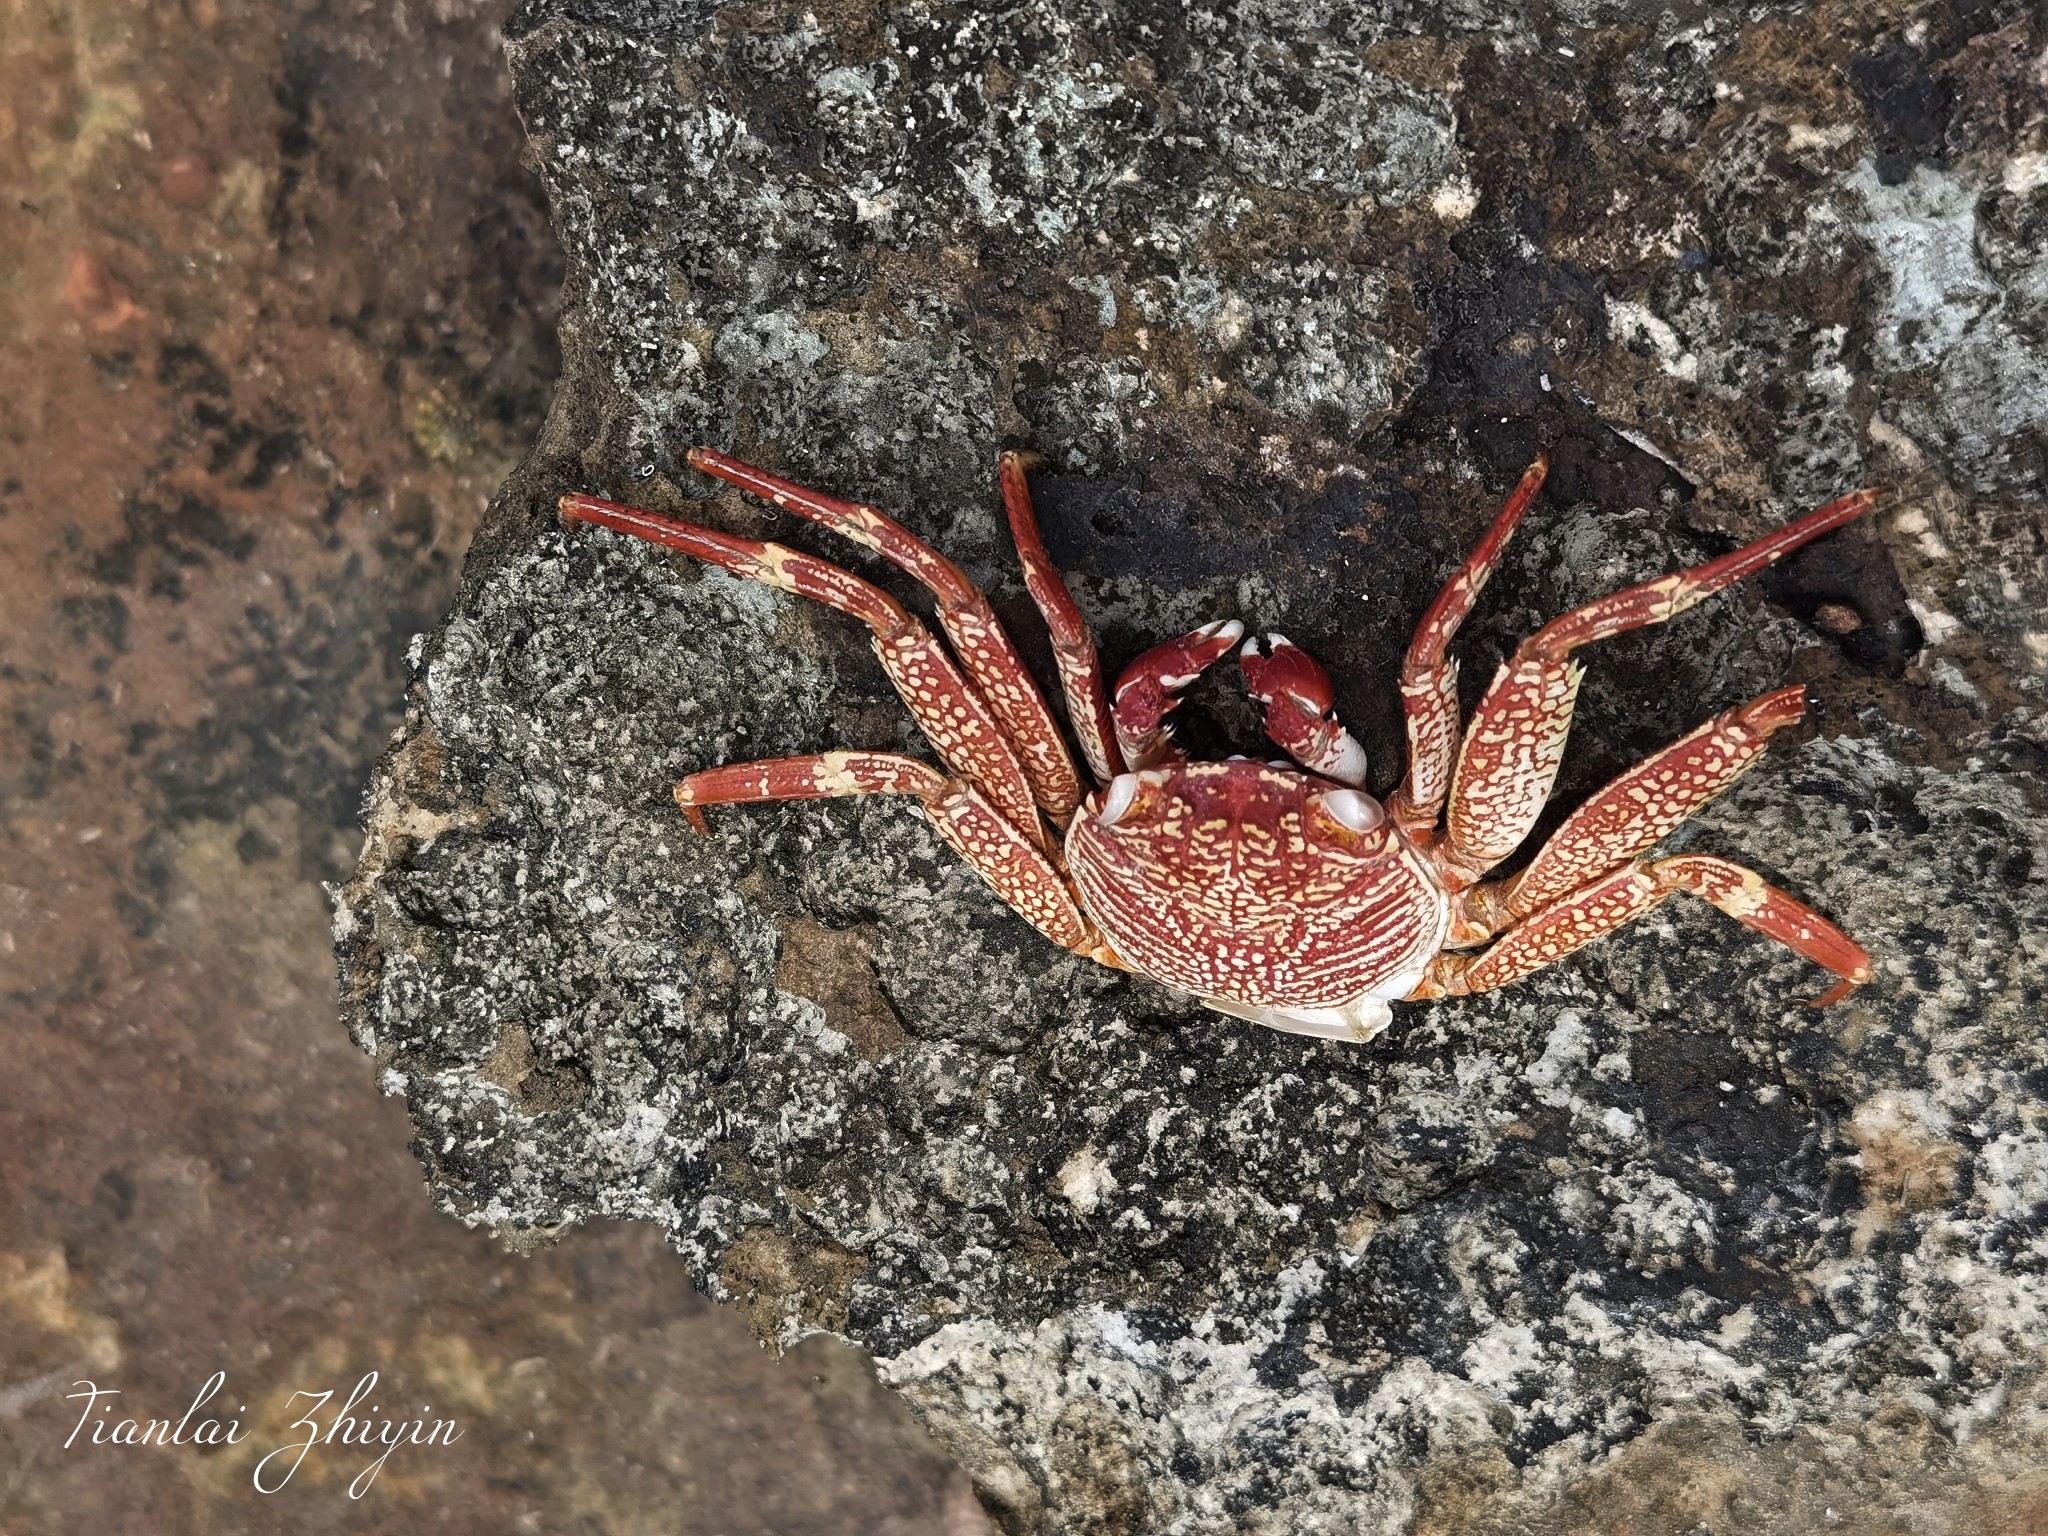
x=1349 y=820
x=1118 y=799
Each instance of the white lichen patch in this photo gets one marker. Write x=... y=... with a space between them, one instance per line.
x=1947 y=314
x=1084 y=1180
x=1636 y=326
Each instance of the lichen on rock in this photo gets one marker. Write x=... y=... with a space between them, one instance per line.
x=1285 y=296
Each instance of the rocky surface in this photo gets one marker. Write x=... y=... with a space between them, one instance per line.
x=1285 y=295
x=277 y=309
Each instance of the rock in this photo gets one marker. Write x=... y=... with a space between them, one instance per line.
x=1286 y=296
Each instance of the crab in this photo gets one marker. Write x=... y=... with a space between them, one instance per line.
x=1278 y=892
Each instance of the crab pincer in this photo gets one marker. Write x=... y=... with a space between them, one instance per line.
x=1300 y=701
x=1150 y=689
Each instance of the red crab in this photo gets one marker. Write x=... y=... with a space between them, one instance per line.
x=1277 y=892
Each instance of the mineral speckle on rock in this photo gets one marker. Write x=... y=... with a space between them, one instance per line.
x=1285 y=296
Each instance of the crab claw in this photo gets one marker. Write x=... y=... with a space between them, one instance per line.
x=1150 y=688
x=1298 y=699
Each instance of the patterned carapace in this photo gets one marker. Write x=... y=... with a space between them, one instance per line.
x=1277 y=892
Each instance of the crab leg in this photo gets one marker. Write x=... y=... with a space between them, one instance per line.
x=1626 y=894
x=1630 y=815
x=1003 y=856
x=1073 y=644
x=1516 y=737
x=1299 y=700
x=1429 y=678
x=1150 y=689
x=947 y=709
x=984 y=649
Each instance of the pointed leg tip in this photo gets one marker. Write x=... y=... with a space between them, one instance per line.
x=1776 y=710
x=693 y=813
x=1833 y=995
x=1846 y=509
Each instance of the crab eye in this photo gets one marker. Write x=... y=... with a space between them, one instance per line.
x=1348 y=808
x=1123 y=789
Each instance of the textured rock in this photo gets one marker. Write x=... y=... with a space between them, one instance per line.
x=1285 y=295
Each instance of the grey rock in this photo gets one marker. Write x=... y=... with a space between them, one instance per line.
x=1286 y=296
